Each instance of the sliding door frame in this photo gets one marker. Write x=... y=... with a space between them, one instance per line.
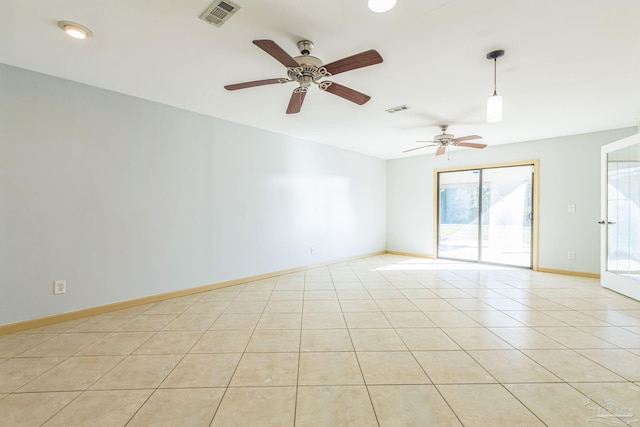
x=534 y=207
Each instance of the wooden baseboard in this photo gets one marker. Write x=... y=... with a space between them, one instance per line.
x=411 y=254
x=569 y=272
x=541 y=269
x=107 y=308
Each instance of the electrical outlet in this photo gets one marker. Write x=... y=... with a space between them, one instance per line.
x=313 y=251
x=59 y=287
x=571 y=208
x=571 y=255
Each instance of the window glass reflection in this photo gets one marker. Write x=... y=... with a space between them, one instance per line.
x=623 y=237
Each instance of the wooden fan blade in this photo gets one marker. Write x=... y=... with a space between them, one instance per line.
x=277 y=52
x=254 y=83
x=295 y=103
x=441 y=150
x=470 y=144
x=467 y=138
x=346 y=93
x=359 y=60
x=417 y=148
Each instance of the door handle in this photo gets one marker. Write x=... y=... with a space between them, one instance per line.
x=607 y=222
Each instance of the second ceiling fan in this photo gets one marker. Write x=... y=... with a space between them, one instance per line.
x=307 y=70
x=446 y=139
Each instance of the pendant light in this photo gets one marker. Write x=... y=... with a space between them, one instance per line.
x=494 y=103
x=381 y=5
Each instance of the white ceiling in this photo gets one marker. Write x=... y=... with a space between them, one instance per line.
x=571 y=66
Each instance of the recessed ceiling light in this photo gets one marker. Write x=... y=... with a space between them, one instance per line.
x=75 y=30
x=381 y=5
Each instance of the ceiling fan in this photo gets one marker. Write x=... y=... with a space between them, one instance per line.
x=306 y=70
x=446 y=139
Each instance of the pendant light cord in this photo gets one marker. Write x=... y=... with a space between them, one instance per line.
x=495 y=67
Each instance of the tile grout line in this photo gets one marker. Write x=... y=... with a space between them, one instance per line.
x=355 y=352
x=158 y=386
x=295 y=400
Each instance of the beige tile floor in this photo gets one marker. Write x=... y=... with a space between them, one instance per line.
x=385 y=340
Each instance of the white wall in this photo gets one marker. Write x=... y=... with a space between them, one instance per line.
x=125 y=198
x=569 y=173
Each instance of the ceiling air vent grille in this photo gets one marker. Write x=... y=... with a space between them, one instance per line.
x=396 y=109
x=219 y=12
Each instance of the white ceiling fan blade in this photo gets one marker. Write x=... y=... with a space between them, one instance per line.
x=417 y=148
x=469 y=144
x=467 y=138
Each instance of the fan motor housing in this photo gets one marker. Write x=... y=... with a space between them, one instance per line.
x=444 y=139
x=310 y=70
x=308 y=60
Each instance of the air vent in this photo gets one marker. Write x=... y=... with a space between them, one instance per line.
x=219 y=12
x=396 y=109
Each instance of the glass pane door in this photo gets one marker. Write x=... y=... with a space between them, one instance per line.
x=620 y=189
x=507 y=195
x=458 y=213
x=623 y=216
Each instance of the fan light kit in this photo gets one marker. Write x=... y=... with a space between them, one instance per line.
x=75 y=30
x=381 y=6
x=446 y=139
x=494 y=103
x=307 y=70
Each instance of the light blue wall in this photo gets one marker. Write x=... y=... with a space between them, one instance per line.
x=125 y=198
x=569 y=173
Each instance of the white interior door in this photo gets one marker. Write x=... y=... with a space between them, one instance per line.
x=620 y=242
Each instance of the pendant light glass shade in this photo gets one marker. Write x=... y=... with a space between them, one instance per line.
x=494 y=103
x=494 y=108
x=381 y=5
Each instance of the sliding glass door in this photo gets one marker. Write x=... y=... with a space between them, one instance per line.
x=486 y=215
